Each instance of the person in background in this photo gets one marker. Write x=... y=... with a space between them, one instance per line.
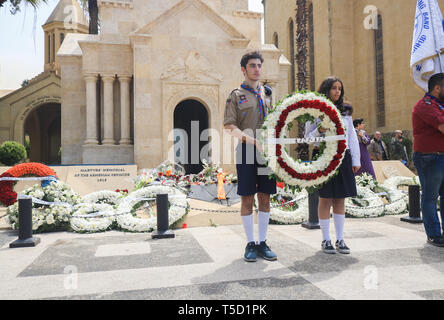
x=377 y=149
x=364 y=141
x=398 y=148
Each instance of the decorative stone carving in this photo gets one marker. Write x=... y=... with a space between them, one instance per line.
x=172 y=90
x=195 y=68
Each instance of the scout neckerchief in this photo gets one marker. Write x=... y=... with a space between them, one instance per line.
x=259 y=98
x=429 y=96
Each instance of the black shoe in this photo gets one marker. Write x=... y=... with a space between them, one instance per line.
x=342 y=247
x=436 y=241
x=327 y=247
x=265 y=252
x=250 y=252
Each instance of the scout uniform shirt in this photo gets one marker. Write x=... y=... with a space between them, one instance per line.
x=242 y=109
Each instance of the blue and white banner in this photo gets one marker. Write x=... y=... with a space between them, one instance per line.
x=428 y=40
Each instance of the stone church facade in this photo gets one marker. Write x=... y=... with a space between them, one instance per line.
x=33 y=112
x=155 y=67
x=373 y=63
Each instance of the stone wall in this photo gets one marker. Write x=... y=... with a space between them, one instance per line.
x=343 y=47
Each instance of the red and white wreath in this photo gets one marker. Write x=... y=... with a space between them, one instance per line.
x=276 y=131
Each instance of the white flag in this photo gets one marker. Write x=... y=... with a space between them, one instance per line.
x=428 y=40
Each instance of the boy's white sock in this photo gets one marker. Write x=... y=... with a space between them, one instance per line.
x=248 y=223
x=263 y=219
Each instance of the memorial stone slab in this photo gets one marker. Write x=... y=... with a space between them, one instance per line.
x=387 y=169
x=88 y=179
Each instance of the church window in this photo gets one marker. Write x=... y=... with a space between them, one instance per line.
x=379 y=63
x=276 y=40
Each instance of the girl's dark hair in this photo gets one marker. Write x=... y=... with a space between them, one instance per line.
x=251 y=55
x=325 y=88
x=357 y=122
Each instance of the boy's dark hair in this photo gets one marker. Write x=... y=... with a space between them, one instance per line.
x=251 y=55
x=325 y=88
x=357 y=122
x=436 y=80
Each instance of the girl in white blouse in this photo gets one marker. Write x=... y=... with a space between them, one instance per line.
x=343 y=185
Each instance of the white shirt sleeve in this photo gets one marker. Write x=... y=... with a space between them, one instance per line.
x=352 y=142
x=311 y=130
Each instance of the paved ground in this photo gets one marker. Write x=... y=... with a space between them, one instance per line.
x=389 y=260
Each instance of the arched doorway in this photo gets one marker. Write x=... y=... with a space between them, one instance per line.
x=43 y=134
x=190 y=120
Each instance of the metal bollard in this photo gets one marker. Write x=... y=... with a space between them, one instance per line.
x=162 y=219
x=414 y=206
x=25 y=225
x=313 y=219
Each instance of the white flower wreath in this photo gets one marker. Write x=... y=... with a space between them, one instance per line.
x=367 y=205
x=395 y=182
x=396 y=204
x=105 y=196
x=290 y=217
x=54 y=217
x=127 y=221
x=289 y=170
x=83 y=224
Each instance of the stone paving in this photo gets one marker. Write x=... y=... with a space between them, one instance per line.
x=390 y=260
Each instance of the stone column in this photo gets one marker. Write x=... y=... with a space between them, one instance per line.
x=125 y=118
x=91 y=109
x=108 y=109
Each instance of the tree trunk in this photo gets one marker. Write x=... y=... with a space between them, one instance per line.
x=301 y=60
x=93 y=11
x=301 y=39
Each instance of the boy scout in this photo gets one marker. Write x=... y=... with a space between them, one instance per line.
x=245 y=111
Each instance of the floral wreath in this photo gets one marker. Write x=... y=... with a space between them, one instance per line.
x=304 y=106
x=104 y=197
x=292 y=212
x=7 y=194
x=91 y=225
x=47 y=217
x=125 y=215
x=368 y=203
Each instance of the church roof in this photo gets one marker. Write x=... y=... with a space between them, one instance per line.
x=65 y=9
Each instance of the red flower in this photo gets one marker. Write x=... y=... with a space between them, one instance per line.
x=280 y=185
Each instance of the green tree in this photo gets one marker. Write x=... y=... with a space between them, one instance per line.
x=91 y=5
x=15 y=4
x=12 y=152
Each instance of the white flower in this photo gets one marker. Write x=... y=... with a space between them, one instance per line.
x=50 y=219
x=178 y=208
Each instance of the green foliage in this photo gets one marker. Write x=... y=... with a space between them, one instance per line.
x=12 y=152
x=15 y=4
